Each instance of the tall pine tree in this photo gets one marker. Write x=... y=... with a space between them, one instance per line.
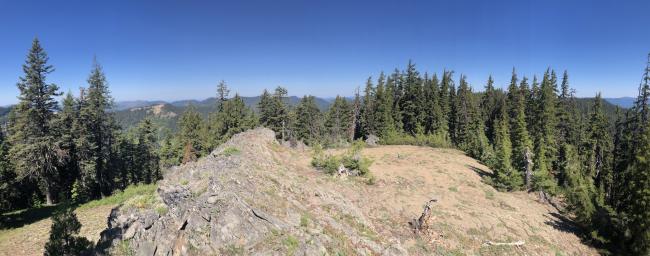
x=33 y=135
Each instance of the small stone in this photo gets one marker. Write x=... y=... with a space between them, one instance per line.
x=130 y=232
x=212 y=199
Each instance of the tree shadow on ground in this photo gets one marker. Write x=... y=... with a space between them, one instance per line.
x=485 y=175
x=564 y=224
x=28 y=216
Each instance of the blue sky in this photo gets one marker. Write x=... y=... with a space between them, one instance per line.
x=174 y=50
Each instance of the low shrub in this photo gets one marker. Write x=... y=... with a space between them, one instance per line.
x=351 y=159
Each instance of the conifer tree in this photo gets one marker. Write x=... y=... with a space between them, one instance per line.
x=69 y=169
x=383 y=107
x=337 y=120
x=169 y=151
x=599 y=146
x=489 y=108
x=446 y=85
x=86 y=183
x=8 y=191
x=190 y=134
x=521 y=142
x=354 y=127
x=638 y=208
x=222 y=94
x=433 y=113
x=368 y=118
x=309 y=122
x=579 y=188
x=464 y=116
x=469 y=130
x=274 y=111
x=33 y=135
x=394 y=89
x=410 y=102
x=147 y=153
x=62 y=240
x=532 y=102
x=567 y=114
x=546 y=118
x=234 y=118
x=506 y=178
x=543 y=180
x=100 y=124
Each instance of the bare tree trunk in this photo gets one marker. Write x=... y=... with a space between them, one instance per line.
x=355 y=114
x=48 y=195
x=528 y=156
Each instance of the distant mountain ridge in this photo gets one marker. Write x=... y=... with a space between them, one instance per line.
x=625 y=102
x=251 y=101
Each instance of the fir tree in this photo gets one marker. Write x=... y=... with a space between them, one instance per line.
x=506 y=178
x=222 y=94
x=578 y=187
x=567 y=114
x=354 y=127
x=599 y=146
x=274 y=111
x=101 y=127
x=383 y=108
x=368 y=119
x=410 y=102
x=521 y=142
x=308 y=126
x=394 y=88
x=337 y=120
x=433 y=113
x=147 y=153
x=546 y=118
x=62 y=240
x=33 y=136
x=489 y=108
x=445 y=103
x=69 y=169
x=638 y=210
x=8 y=191
x=464 y=116
x=234 y=118
x=190 y=134
x=543 y=180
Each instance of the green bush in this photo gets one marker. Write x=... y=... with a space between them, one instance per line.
x=351 y=159
x=62 y=236
x=420 y=139
x=320 y=160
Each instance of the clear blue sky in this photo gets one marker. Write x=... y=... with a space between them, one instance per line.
x=180 y=49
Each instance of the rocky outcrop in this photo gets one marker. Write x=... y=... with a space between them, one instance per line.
x=238 y=200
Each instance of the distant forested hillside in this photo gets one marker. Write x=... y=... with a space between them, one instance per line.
x=4 y=112
x=166 y=115
x=625 y=102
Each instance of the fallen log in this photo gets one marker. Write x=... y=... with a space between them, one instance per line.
x=517 y=243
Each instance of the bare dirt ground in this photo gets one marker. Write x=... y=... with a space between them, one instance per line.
x=30 y=239
x=468 y=212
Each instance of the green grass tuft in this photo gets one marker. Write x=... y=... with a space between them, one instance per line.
x=230 y=151
x=120 y=197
